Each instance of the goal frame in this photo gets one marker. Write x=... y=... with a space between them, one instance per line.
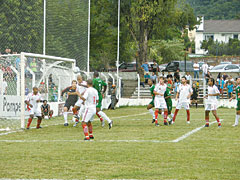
x=23 y=56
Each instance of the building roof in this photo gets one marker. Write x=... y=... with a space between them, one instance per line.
x=223 y=26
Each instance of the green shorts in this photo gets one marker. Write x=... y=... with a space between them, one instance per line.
x=152 y=102
x=238 y=106
x=99 y=105
x=169 y=106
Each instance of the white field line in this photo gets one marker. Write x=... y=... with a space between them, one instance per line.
x=20 y=130
x=127 y=141
x=191 y=132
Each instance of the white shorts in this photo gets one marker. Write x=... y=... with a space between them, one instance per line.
x=160 y=104
x=210 y=107
x=79 y=102
x=181 y=105
x=35 y=112
x=89 y=114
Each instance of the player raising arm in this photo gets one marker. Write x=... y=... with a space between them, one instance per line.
x=90 y=99
x=32 y=101
x=211 y=102
x=81 y=88
x=237 y=96
x=184 y=93
x=98 y=84
x=71 y=100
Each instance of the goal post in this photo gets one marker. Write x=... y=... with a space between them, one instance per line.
x=19 y=73
x=46 y=68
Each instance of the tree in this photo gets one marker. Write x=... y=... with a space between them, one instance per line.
x=155 y=19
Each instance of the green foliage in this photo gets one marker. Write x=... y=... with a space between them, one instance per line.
x=164 y=51
x=20 y=25
x=217 y=9
x=220 y=48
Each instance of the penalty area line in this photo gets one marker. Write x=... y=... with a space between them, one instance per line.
x=192 y=132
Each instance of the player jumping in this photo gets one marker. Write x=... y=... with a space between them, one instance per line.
x=98 y=84
x=81 y=88
x=90 y=99
x=237 y=96
x=71 y=100
x=211 y=102
x=32 y=101
x=159 y=100
x=184 y=93
x=151 y=104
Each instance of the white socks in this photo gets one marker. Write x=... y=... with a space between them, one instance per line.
x=152 y=113
x=237 y=118
x=103 y=115
x=65 y=114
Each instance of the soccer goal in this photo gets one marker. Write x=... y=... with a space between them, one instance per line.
x=19 y=73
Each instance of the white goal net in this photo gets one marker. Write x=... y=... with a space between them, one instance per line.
x=19 y=73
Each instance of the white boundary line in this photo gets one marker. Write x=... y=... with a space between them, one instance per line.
x=20 y=130
x=151 y=141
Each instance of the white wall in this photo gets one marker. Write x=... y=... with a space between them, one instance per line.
x=199 y=38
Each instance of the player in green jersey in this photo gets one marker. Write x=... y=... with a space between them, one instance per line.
x=237 y=96
x=167 y=96
x=101 y=87
x=151 y=104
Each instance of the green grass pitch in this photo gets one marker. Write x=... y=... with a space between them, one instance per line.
x=58 y=152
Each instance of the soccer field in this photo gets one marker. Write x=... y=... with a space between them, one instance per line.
x=133 y=149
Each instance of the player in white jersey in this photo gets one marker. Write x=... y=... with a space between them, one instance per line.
x=32 y=100
x=211 y=102
x=184 y=93
x=90 y=99
x=81 y=88
x=159 y=101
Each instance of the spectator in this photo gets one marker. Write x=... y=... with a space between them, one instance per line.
x=169 y=83
x=218 y=76
x=54 y=97
x=169 y=75
x=218 y=86
x=225 y=76
x=230 y=89
x=7 y=51
x=3 y=89
x=176 y=76
x=154 y=77
x=142 y=81
x=146 y=77
x=50 y=80
x=194 y=96
x=145 y=67
x=204 y=70
x=33 y=65
x=163 y=74
x=155 y=67
x=196 y=70
x=221 y=84
x=26 y=91
x=113 y=97
x=189 y=78
x=176 y=85
x=208 y=76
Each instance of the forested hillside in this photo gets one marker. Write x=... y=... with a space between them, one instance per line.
x=216 y=9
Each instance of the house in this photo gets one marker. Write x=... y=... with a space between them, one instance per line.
x=218 y=30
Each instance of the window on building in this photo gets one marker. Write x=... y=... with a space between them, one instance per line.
x=235 y=36
x=209 y=36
